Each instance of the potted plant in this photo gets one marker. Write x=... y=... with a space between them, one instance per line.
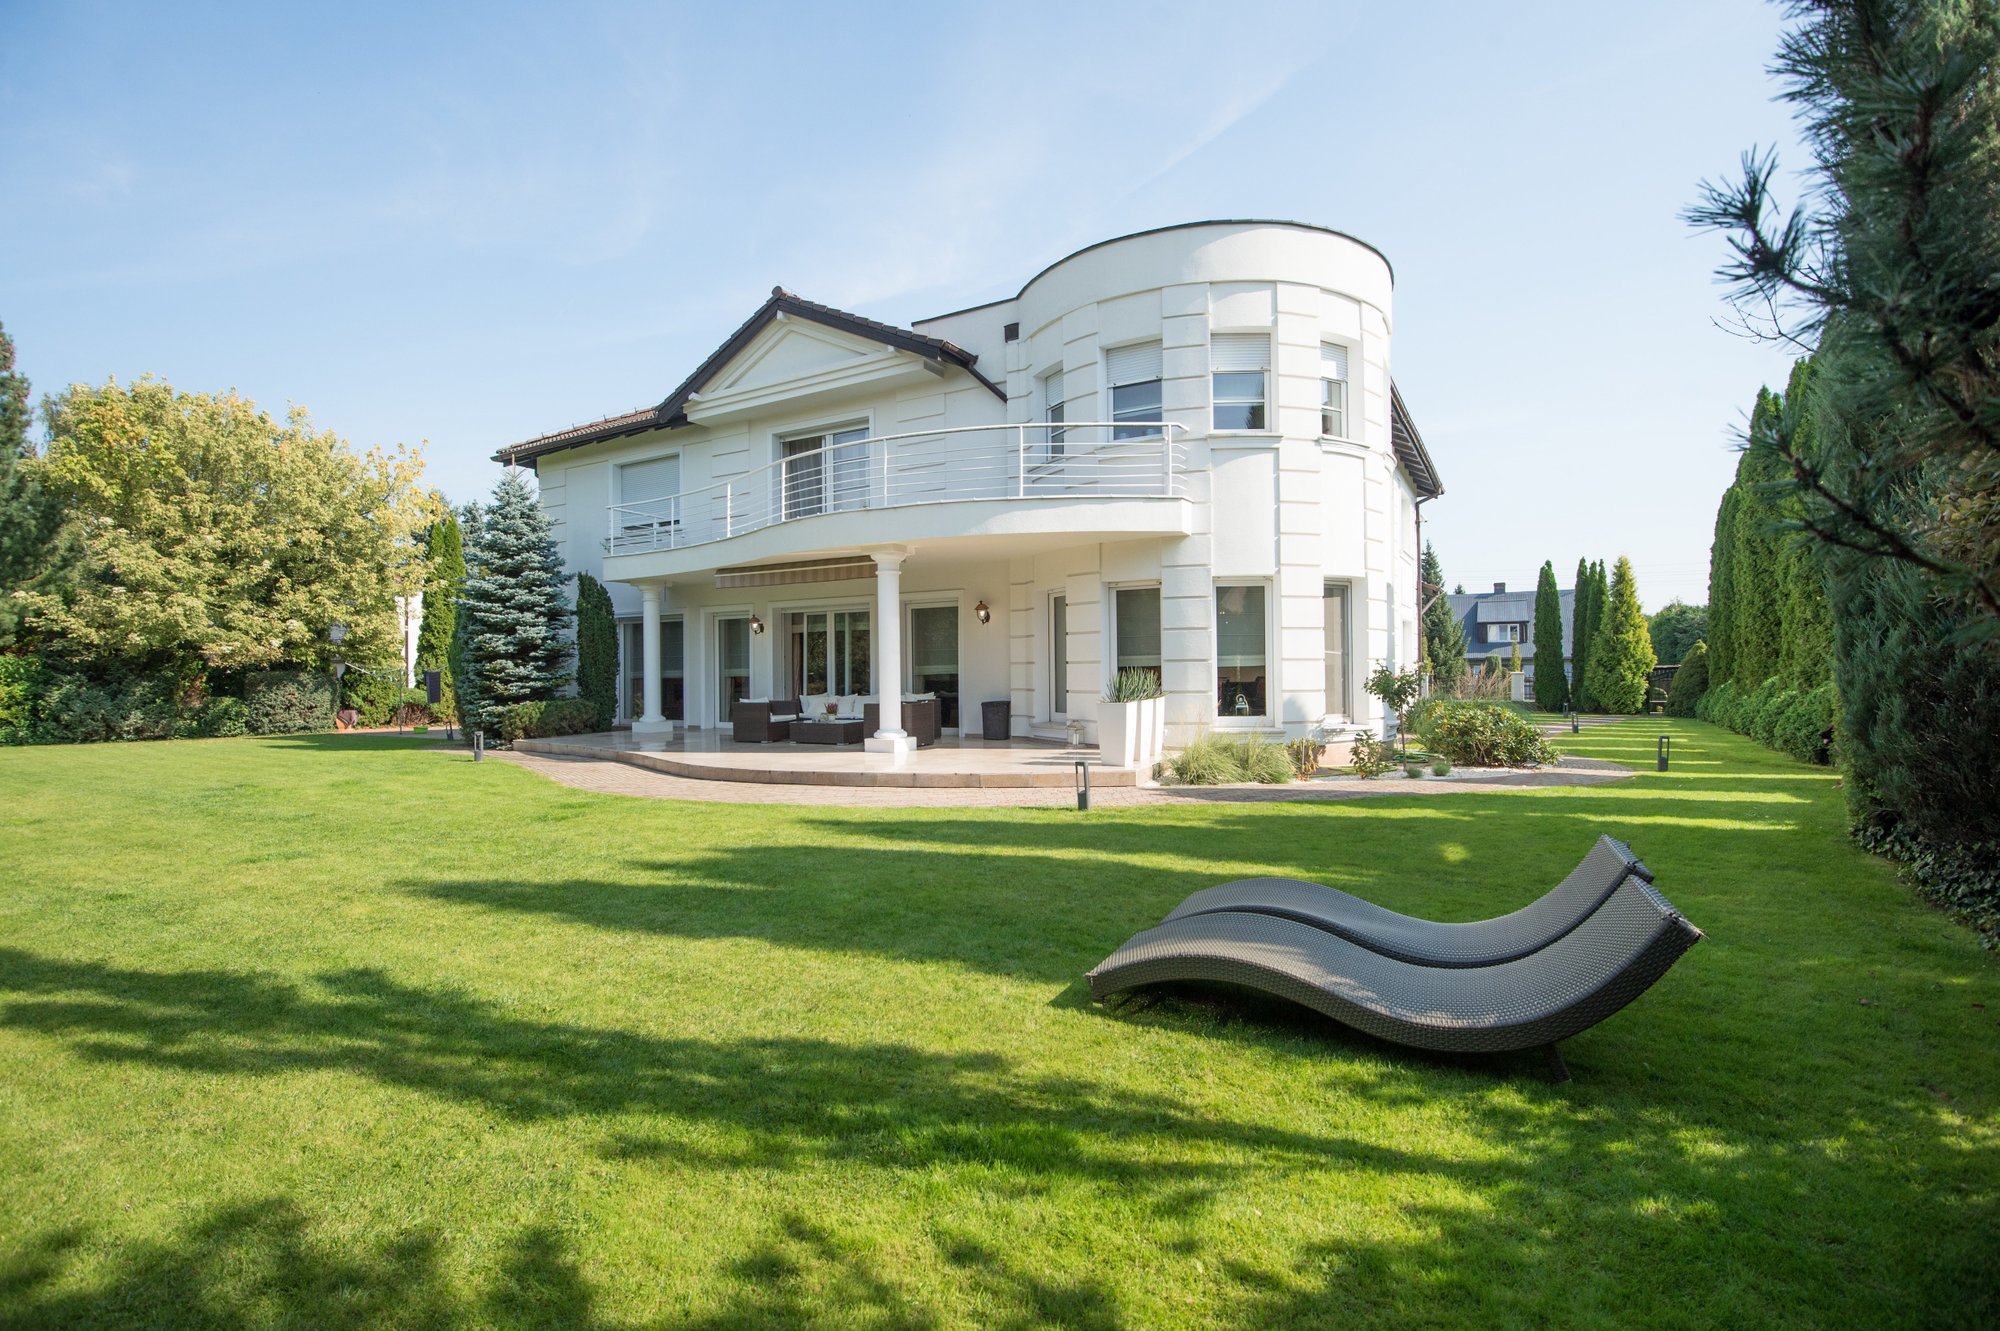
x=1132 y=720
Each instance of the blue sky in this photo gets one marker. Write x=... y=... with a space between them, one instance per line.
x=466 y=227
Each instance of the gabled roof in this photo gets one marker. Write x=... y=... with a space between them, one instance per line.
x=1409 y=446
x=671 y=413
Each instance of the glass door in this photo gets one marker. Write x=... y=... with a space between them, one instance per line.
x=804 y=477
x=671 y=672
x=825 y=473
x=830 y=653
x=933 y=643
x=732 y=664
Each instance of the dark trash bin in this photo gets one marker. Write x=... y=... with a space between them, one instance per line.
x=995 y=720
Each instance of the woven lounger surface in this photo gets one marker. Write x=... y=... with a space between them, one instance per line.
x=1577 y=981
x=1427 y=942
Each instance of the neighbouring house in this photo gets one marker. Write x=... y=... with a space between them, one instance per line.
x=1495 y=621
x=1179 y=451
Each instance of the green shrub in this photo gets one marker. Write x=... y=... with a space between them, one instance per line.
x=1690 y=682
x=1413 y=770
x=23 y=679
x=220 y=718
x=1713 y=705
x=1206 y=760
x=1133 y=684
x=1743 y=710
x=1370 y=755
x=285 y=702
x=596 y=649
x=1441 y=767
x=1480 y=734
x=1807 y=727
x=1761 y=712
x=374 y=697
x=546 y=720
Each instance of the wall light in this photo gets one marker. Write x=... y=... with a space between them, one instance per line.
x=756 y=624
x=984 y=611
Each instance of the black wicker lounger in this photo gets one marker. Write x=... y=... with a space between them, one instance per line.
x=1570 y=985
x=1427 y=942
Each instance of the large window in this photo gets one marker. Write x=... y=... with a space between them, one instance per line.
x=1137 y=620
x=825 y=473
x=1333 y=614
x=1239 y=365
x=647 y=494
x=672 y=670
x=1052 y=412
x=1134 y=375
x=1332 y=390
x=933 y=650
x=830 y=652
x=1241 y=647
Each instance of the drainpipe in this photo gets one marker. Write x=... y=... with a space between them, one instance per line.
x=1422 y=608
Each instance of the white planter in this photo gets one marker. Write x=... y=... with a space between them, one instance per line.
x=1152 y=744
x=1118 y=733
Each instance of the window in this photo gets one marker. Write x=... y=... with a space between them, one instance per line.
x=671 y=672
x=1058 y=657
x=1136 y=618
x=1332 y=390
x=732 y=662
x=830 y=652
x=1239 y=365
x=648 y=495
x=1134 y=375
x=1503 y=633
x=934 y=657
x=1052 y=412
x=1333 y=615
x=825 y=473
x=1240 y=646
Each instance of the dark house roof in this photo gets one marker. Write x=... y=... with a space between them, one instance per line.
x=1475 y=610
x=671 y=413
x=1409 y=446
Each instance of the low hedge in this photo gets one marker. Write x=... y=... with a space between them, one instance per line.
x=545 y=720
x=1472 y=733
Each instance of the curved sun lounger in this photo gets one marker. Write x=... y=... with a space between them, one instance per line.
x=1427 y=942
x=1583 y=977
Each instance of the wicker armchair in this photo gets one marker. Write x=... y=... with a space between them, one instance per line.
x=752 y=723
x=920 y=720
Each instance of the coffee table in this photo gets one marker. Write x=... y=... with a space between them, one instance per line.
x=827 y=732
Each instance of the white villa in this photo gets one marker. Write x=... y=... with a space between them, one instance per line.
x=1179 y=451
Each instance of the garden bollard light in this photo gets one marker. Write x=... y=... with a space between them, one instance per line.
x=1666 y=744
x=1574 y=727
x=1082 y=786
x=478 y=745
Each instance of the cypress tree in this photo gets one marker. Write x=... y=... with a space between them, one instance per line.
x=1579 y=651
x=596 y=648
x=1621 y=658
x=1690 y=681
x=1722 y=590
x=446 y=550
x=515 y=620
x=1551 y=684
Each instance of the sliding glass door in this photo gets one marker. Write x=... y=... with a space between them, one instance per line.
x=732 y=664
x=830 y=652
x=933 y=652
x=672 y=670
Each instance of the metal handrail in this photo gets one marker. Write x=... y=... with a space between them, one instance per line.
x=942 y=465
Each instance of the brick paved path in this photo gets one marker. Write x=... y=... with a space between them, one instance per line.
x=616 y=778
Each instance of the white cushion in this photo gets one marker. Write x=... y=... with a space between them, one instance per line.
x=850 y=705
x=814 y=704
x=785 y=718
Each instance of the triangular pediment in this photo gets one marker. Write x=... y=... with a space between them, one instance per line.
x=791 y=350
x=793 y=358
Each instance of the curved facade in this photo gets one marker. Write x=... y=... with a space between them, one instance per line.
x=1179 y=451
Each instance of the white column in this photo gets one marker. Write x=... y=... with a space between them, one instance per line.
x=889 y=658
x=650 y=722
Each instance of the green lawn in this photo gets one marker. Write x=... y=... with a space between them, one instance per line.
x=340 y=1032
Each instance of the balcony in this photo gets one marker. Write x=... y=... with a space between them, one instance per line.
x=1027 y=464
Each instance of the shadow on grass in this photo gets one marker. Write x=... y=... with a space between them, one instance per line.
x=347 y=742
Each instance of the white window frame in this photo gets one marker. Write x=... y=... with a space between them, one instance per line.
x=1341 y=709
x=1346 y=431
x=822 y=427
x=1507 y=632
x=1112 y=592
x=1262 y=401
x=1121 y=434
x=672 y=518
x=1254 y=720
x=1053 y=385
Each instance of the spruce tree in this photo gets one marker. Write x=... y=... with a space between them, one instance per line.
x=1551 y=684
x=1722 y=590
x=1621 y=658
x=515 y=620
x=1444 y=636
x=446 y=580
x=596 y=649
x=1579 y=652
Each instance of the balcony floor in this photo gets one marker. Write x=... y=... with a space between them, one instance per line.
x=951 y=763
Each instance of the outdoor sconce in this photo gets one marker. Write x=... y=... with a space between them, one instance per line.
x=756 y=624
x=984 y=611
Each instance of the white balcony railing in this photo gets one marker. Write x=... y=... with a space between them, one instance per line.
x=1027 y=462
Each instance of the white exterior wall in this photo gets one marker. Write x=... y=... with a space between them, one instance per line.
x=1282 y=507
